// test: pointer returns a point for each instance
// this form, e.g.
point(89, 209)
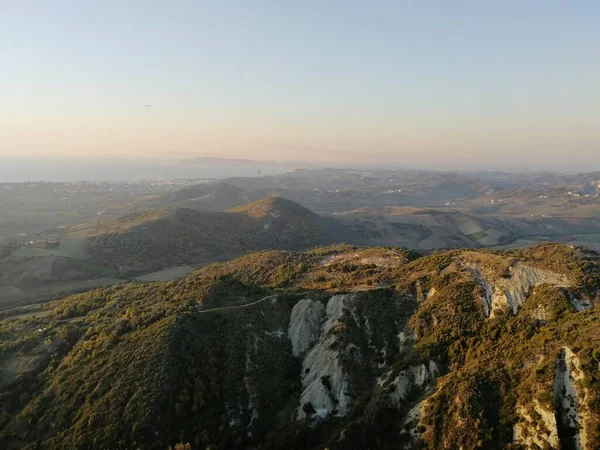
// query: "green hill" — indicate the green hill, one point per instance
point(147, 241)
point(337, 347)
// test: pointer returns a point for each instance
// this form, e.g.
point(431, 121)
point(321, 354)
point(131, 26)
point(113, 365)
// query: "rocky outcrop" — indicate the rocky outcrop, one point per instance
point(343, 356)
point(305, 325)
point(569, 399)
point(251, 391)
point(488, 290)
point(510, 292)
point(414, 382)
point(565, 425)
point(325, 386)
point(407, 380)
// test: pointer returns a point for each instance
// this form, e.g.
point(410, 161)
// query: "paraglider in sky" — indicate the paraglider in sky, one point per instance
point(147, 108)
point(110, 131)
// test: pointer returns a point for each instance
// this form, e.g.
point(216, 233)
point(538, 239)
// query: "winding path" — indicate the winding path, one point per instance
point(221, 308)
point(246, 305)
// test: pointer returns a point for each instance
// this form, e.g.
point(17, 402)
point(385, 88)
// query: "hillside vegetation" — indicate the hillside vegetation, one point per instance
point(337, 347)
point(152, 240)
point(161, 243)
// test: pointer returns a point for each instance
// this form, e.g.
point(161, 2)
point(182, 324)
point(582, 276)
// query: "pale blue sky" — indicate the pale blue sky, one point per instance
point(464, 81)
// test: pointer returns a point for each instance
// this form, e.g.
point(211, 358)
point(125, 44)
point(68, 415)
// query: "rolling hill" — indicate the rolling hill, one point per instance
point(336, 347)
point(152, 240)
point(166, 243)
point(426, 228)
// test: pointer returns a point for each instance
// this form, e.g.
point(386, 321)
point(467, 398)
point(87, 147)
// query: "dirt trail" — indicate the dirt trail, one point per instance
point(223, 308)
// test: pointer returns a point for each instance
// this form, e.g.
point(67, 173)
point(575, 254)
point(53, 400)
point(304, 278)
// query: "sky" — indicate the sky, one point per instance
point(495, 84)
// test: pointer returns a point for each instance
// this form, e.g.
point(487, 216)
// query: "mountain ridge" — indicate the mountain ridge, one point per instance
point(340, 347)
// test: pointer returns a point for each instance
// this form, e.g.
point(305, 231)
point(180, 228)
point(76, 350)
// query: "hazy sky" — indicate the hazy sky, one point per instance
point(474, 83)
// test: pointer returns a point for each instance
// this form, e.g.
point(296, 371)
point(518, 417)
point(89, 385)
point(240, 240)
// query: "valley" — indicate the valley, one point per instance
point(92, 234)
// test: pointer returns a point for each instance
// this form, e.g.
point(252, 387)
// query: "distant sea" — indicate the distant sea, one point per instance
point(17, 171)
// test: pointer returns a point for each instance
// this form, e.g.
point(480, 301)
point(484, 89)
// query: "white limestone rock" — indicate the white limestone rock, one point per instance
point(305, 325)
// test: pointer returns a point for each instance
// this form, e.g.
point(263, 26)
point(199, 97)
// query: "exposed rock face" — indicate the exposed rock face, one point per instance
point(488, 290)
point(419, 380)
point(305, 324)
point(571, 413)
point(325, 387)
point(510, 293)
point(564, 426)
point(414, 377)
